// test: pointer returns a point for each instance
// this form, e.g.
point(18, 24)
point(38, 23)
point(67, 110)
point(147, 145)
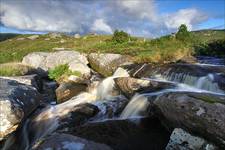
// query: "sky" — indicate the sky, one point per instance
point(148, 18)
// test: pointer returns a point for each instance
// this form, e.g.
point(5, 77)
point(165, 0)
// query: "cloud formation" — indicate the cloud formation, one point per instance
point(101, 26)
point(82, 16)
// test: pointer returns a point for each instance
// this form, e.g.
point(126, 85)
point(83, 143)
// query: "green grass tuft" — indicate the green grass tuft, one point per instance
point(62, 71)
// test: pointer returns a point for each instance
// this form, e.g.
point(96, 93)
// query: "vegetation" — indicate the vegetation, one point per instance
point(14, 69)
point(161, 50)
point(183, 34)
point(120, 37)
point(61, 71)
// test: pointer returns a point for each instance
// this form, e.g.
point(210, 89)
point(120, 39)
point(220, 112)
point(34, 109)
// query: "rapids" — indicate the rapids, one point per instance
point(48, 120)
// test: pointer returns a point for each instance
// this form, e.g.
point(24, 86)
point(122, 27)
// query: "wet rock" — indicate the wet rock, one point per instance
point(17, 101)
point(149, 70)
point(110, 108)
point(61, 117)
point(182, 140)
point(44, 61)
point(129, 86)
point(69, 142)
point(106, 64)
point(199, 113)
point(144, 134)
point(65, 91)
point(48, 92)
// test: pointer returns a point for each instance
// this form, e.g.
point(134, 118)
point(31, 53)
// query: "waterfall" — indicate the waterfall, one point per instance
point(204, 82)
point(105, 89)
point(207, 83)
point(137, 105)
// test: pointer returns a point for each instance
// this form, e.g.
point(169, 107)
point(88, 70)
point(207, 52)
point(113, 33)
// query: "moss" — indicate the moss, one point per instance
point(209, 99)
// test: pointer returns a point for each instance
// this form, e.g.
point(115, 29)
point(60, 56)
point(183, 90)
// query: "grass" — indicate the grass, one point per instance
point(62, 71)
point(14, 69)
point(161, 50)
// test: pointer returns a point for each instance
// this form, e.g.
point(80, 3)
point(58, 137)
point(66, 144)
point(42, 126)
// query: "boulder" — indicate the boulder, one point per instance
point(149, 70)
point(37, 60)
point(142, 133)
point(33, 37)
point(64, 57)
point(69, 142)
point(106, 64)
point(31, 80)
point(17, 101)
point(129, 86)
point(182, 140)
point(16, 69)
point(45, 61)
point(80, 67)
point(195, 112)
point(67, 90)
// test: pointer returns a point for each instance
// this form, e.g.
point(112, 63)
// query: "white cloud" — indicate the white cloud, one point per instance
point(143, 9)
point(190, 17)
point(138, 17)
point(101, 26)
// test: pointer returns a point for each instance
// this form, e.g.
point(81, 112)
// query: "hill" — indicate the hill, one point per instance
point(6, 36)
point(163, 49)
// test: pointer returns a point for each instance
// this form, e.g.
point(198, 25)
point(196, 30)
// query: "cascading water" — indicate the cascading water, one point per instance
point(204, 82)
point(105, 89)
point(137, 105)
point(48, 120)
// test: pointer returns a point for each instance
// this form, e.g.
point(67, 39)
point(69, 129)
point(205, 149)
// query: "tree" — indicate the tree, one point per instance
point(183, 34)
point(120, 36)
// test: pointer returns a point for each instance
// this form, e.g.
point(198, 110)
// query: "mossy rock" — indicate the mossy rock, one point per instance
point(15, 69)
point(107, 63)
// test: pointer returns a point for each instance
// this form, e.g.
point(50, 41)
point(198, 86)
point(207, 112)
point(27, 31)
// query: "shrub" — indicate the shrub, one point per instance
point(61, 70)
point(214, 48)
point(120, 36)
point(183, 34)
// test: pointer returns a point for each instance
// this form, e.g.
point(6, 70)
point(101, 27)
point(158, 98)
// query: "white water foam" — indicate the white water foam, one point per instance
point(137, 105)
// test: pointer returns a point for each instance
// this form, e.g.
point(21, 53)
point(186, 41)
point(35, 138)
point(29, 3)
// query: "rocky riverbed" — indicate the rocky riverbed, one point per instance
point(113, 104)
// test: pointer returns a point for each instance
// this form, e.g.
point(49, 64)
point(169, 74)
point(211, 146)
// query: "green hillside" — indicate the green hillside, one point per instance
point(163, 49)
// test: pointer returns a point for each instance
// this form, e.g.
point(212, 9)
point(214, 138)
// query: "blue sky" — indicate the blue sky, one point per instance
point(150, 18)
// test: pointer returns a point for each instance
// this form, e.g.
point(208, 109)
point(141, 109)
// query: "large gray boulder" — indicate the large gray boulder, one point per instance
point(107, 63)
point(69, 142)
point(45, 61)
point(182, 140)
point(129, 86)
point(199, 113)
point(17, 101)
